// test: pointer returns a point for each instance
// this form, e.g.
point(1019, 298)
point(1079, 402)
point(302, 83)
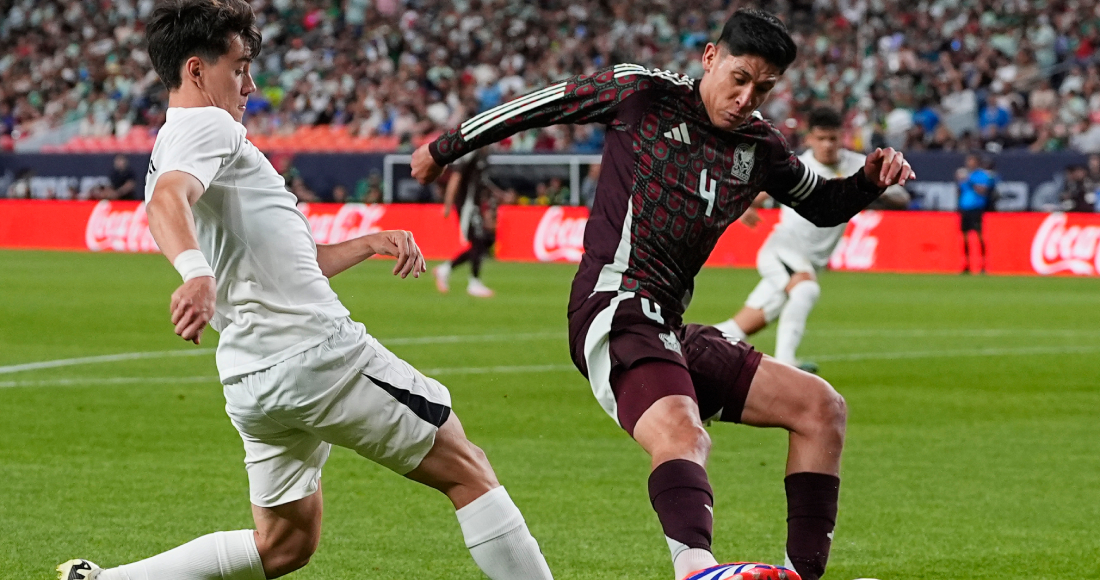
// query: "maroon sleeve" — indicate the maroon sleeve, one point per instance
point(591, 98)
point(825, 202)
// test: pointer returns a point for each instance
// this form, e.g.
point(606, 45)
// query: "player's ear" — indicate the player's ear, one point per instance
point(192, 69)
point(710, 54)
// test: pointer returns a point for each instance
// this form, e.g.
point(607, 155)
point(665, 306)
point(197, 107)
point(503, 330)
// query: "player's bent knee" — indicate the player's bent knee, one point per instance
point(826, 411)
point(686, 441)
point(479, 472)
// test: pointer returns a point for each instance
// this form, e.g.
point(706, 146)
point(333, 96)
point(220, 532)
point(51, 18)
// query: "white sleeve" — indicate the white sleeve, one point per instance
point(202, 143)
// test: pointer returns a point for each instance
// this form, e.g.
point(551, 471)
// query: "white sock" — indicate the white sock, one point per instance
point(499, 540)
point(792, 320)
point(731, 328)
point(691, 560)
point(217, 556)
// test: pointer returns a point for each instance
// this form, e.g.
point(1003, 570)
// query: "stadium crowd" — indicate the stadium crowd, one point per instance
point(932, 74)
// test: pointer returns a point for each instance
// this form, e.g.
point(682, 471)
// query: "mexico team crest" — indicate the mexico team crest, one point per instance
point(670, 341)
point(743, 159)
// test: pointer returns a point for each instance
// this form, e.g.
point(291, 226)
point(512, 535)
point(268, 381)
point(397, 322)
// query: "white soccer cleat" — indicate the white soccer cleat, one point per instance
point(442, 275)
point(477, 289)
point(78, 570)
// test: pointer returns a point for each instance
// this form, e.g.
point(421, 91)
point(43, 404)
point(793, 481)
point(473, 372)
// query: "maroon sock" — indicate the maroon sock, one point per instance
point(811, 516)
point(682, 498)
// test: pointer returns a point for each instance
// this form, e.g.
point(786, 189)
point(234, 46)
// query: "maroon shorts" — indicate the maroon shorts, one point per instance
point(613, 333)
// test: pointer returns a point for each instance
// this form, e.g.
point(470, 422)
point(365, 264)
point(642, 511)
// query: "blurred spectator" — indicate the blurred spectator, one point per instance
point(339, 194)
point(1076, 194)
point(369, 190)
point(298, 187)
point(122, 181)
point(21, 187)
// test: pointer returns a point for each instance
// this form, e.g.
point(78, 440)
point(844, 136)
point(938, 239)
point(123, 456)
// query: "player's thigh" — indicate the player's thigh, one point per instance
point(283, 462)
point(722, 370)
point(781, 395)
point(353, 392)
point(612, 337)
point(769, 263)
point(799, 277)
point(382, 408)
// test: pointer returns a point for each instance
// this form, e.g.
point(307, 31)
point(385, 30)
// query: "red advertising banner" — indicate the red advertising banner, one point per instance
point(880, 241)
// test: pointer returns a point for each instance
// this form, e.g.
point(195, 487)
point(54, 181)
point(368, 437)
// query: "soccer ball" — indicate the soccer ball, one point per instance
point(744, 571)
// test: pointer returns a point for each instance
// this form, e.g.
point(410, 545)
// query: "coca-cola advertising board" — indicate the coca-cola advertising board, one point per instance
point(878, 241)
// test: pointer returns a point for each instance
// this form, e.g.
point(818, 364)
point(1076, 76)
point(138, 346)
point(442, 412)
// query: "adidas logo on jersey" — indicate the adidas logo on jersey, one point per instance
point(679, 134)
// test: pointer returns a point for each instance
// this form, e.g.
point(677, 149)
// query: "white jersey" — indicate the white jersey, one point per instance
point(273, 302)
point(796, 232)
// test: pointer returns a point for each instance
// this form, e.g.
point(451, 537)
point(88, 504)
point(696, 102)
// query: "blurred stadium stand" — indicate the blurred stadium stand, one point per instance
point(382, 75)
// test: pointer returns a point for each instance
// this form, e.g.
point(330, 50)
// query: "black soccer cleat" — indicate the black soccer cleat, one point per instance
point(78, 570)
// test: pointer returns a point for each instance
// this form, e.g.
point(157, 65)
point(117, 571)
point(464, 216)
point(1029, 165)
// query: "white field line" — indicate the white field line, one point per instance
point(459, 338)
point(949, 333)
point(105, 381)
point(503, 369)
point(956, 353)
point(450, 339)
point(89, 360)
point(213, 379)
point(465, 339)
point(851, 357)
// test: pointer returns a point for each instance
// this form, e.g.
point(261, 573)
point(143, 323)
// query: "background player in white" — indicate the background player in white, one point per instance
point(797, 249)
point(298, 374)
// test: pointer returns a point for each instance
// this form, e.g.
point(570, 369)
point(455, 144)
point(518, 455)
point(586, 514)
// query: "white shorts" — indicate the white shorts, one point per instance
point(777, 261)
point(348, 391)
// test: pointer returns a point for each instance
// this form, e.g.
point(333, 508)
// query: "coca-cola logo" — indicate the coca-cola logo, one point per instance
point(351, 221)
point(1059, 247)
point(856, 249)
point(119, 229)
point(559, 237)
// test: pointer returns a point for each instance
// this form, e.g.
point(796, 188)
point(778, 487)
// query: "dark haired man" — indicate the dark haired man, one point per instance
point(797, 249)
point(299, 375)
point(682, 160)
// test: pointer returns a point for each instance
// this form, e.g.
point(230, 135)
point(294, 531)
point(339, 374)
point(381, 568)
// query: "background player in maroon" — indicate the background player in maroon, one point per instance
point(683, 159)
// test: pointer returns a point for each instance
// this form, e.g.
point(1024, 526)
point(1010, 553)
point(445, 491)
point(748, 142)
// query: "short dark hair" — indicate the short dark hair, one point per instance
point(759, 33)
point(825, 118)
point(180, 29)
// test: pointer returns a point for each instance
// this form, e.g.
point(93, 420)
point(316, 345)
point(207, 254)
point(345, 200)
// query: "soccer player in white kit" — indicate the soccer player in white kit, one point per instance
point(299, 375)
point(796, 250)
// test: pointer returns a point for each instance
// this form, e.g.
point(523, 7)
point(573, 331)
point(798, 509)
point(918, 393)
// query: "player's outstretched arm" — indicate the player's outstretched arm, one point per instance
point(591, 98)
point(173, 227)
point(830, 202)
point(335, 258)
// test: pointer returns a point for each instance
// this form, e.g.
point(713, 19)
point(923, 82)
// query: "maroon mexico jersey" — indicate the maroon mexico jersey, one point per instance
point(671, 182)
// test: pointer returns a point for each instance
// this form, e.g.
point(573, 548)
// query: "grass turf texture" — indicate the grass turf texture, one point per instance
point(972, 443)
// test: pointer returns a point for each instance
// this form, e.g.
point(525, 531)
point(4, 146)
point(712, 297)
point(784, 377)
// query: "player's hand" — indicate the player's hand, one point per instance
point(886, 167)
point(751, 218)
point(424, 168)
point(399, 244)
point(193, 306)
point(446, 209)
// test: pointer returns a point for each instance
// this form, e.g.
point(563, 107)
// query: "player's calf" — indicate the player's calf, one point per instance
point(671, 431)
point(492, 526)
point(287, 535)
point(816, 416)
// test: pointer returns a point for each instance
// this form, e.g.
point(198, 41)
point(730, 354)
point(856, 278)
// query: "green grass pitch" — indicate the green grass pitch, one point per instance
point(973, 444)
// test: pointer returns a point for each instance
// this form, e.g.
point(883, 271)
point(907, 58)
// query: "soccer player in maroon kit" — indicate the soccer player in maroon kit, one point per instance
point(682, 160)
